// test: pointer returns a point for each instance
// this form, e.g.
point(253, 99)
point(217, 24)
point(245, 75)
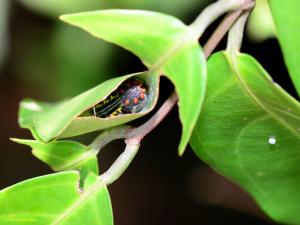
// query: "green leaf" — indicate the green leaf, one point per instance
point(260, 25)
point(164, 44)
point(287, 23)
point(249, 131)
point(136, 30)
point(61, 120)
point(27, 112)
point(64, 155)
point(56, 199)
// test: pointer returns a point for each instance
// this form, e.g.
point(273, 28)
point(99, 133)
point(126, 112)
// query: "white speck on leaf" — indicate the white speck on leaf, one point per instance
point(272, 140)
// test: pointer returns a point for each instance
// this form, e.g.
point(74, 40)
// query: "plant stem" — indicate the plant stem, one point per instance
point(121, 163)
point(109, 135)
point(235, 35)
point(209, 46)
point(196, 29)
point(220, 32)
point(224, 26)
point(135, 135)
point(212, 12)
point(144, 129)
point(95, 147)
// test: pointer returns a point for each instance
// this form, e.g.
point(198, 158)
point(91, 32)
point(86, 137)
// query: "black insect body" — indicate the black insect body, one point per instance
point(130, 97)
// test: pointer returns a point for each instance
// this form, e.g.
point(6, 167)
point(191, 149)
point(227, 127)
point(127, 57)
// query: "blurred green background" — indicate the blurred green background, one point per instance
point(43, 58)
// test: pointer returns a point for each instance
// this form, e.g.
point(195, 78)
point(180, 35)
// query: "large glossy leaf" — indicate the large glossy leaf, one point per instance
point(162, 44)
point(56, 199)
point(65, 155)
point(287, 23)
point(249, 130)
point(49, 121)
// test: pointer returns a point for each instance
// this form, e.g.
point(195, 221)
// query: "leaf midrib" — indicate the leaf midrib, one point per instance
point(254, 98)
point(81, 200)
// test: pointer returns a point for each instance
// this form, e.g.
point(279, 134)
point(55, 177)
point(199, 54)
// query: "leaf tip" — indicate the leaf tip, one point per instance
point(17, 140)
point(21, 141)
point(181, 150)
point(67, 18)
point(63, 17)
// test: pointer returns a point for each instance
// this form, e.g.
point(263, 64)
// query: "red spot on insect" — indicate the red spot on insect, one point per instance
point(135, 100)
point(126, 102)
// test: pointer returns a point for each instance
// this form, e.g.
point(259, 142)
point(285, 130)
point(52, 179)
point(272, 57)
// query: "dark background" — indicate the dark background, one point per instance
point(44, 60)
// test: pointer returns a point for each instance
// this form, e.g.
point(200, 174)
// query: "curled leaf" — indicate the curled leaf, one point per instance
point(164, 45)
point(66, 119)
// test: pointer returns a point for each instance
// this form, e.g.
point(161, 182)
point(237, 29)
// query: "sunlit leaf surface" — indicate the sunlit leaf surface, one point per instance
point(65, 155)
point(249, 130)
point(287, 23)
point(160, 41)
point(56, 199)
point(49, 121)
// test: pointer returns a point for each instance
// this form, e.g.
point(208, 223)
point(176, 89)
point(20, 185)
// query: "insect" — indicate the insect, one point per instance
point(130, 97)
